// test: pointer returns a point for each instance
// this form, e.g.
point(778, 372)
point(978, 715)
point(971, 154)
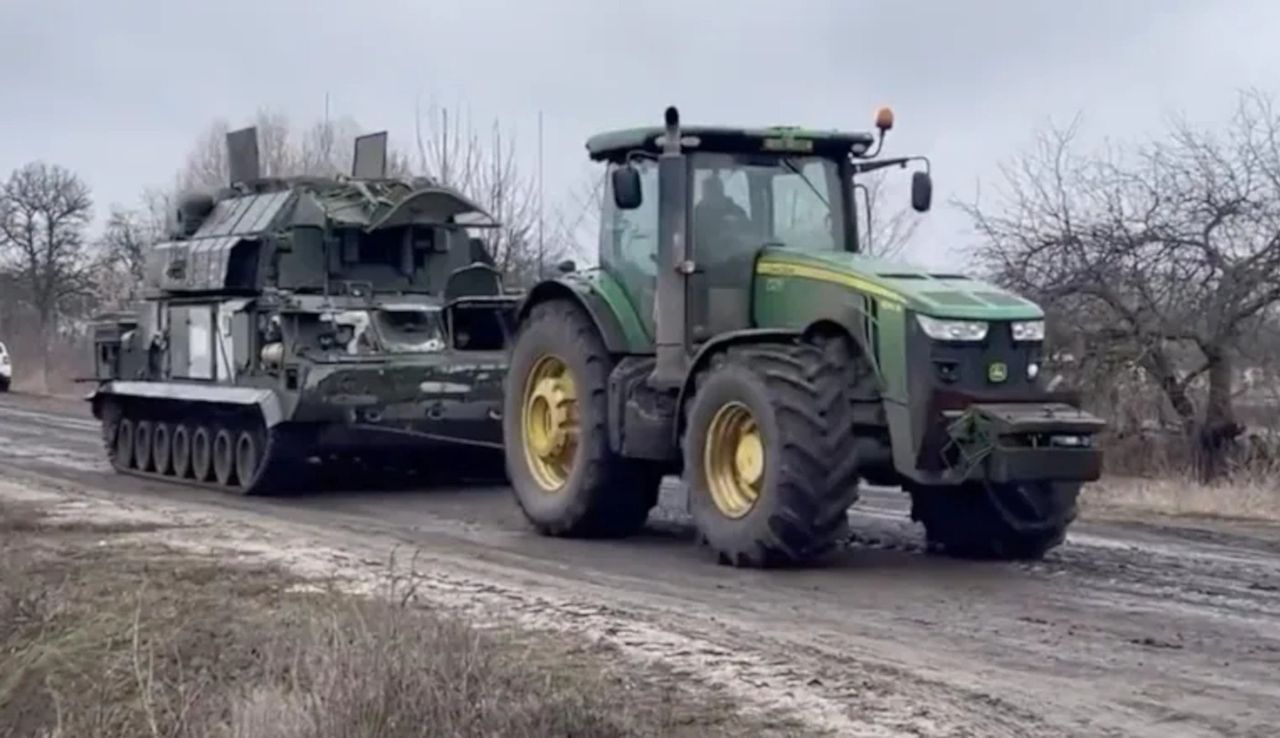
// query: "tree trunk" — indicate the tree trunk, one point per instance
point(1175, 390)
point(44, 340)
point(1217, 435)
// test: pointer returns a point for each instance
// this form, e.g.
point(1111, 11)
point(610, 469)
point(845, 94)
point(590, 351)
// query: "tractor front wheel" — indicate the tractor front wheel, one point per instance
point(566, 479)
point(769, 462)
point(980, 520)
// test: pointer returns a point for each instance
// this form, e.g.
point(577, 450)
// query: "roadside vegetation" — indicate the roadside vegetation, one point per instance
point(1158, 264)
point(103, 635)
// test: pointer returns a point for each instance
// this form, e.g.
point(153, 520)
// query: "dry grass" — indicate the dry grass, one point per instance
point(105, 641)
point(1245, 497)
point(1154, 473)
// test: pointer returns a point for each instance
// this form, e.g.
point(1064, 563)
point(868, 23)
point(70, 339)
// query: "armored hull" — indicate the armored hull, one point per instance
point(304, 325)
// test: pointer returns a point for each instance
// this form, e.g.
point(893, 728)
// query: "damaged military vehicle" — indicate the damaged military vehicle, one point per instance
point(290, 321)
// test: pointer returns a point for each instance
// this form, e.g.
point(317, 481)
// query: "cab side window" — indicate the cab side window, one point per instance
point(629, 241)
point(631, 236)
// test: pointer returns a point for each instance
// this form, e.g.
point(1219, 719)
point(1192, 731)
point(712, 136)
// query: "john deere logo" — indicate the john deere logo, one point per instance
point(998, 371)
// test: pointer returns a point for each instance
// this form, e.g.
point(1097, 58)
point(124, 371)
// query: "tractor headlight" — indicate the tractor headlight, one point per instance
point(1028, 330)
point(952, 330)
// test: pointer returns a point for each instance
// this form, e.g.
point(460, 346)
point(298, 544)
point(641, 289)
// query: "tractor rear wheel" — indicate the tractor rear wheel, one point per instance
point(996, 521)
point(566, 479)
point(769, 457)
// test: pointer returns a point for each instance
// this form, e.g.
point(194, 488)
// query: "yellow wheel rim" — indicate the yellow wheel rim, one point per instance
point(549, 420)
point(733, 460)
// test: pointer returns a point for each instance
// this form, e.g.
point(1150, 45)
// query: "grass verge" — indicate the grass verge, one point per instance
point(101, 635)
point(1244, 499)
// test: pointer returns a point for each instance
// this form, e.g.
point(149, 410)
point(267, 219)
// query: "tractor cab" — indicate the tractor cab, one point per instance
point(726, 196)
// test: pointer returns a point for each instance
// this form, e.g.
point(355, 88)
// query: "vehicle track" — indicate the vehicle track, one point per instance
point(1127, 630)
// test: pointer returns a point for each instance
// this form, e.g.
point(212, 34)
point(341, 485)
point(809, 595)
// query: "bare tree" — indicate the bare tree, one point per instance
point(324, 150)
point(485, 167)
point(44, 212)
point(449, 148)
point(1165, 255)
point(123, 251)
point(576, 225)
point(886, 230)
point(206, 166)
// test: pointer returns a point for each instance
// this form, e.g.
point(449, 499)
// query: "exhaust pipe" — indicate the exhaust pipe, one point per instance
point(669, 309)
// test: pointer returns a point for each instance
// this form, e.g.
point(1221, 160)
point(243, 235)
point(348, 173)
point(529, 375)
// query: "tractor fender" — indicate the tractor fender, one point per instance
point(713, 347)
point(750, 335)
point(602, 311)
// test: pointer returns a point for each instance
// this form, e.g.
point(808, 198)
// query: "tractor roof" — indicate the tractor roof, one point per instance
point(615, 145)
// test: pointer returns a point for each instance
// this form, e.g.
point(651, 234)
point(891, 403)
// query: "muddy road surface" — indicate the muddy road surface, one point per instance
point(1130, 629)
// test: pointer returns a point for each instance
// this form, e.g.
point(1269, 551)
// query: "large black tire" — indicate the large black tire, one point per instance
point(602, 494)
point(796, 395)
point(1003, 522)
point(4, 384)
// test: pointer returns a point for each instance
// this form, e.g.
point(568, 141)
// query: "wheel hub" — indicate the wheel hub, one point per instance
point(549, 416)
point(550, 423)
point(748, 458)
point(734, 460)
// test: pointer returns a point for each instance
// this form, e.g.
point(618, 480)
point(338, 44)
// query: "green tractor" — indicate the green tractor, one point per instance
point(734, 334)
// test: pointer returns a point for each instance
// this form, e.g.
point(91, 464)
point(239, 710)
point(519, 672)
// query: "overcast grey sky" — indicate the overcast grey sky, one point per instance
point(118, 90)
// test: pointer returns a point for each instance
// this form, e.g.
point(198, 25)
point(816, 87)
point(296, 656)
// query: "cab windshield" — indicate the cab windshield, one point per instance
point(750, 200)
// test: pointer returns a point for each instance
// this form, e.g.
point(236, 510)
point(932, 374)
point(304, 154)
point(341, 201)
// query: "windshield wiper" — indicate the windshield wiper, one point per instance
point(792, 166)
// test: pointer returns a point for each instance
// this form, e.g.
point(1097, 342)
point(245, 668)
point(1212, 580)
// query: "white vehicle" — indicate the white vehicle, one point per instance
point(6, 369)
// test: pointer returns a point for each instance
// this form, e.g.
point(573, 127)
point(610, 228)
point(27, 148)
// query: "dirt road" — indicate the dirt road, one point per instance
point(1128, 630)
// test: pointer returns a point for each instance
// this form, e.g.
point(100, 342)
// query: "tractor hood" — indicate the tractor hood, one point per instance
point(932, 292)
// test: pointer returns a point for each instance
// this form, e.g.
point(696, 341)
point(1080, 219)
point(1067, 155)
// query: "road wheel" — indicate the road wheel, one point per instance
point(565, 478)
point(201, 453)
point(224, 458)
point(122, 458)
point(162, 448)
point(181, 451)
point(142, 445)
point(248, 455)
point(767, 455)
point(996, 521)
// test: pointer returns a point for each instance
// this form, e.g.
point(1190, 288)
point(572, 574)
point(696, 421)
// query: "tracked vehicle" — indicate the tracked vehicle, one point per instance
point(735, 334)
point(293, 321)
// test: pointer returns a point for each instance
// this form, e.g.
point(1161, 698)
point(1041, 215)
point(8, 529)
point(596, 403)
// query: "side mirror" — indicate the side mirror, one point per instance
point(568, 266)
point(921, 191)
point(626, 188)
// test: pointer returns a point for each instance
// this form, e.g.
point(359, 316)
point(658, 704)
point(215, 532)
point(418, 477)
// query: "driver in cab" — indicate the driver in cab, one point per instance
point(715, 207)
point(720, 224)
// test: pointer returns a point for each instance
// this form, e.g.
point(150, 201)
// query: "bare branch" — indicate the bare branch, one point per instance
point(1161, 251)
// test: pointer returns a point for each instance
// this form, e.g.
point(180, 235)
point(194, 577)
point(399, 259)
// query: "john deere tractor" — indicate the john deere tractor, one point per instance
point(735, 334)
